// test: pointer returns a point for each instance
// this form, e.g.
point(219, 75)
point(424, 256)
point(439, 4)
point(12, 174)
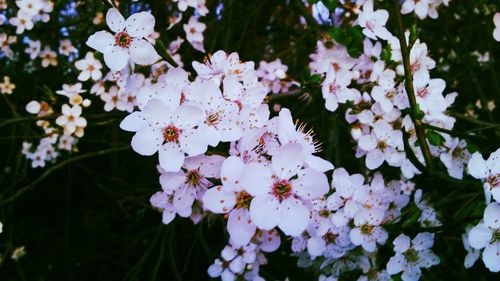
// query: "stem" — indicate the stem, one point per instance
point(410, 90)
point(60, 165)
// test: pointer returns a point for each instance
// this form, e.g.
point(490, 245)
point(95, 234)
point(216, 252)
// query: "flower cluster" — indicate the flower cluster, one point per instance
point(31, 12)
point(379, 113)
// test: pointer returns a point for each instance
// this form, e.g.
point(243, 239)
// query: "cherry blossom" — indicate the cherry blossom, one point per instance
point(128, 43)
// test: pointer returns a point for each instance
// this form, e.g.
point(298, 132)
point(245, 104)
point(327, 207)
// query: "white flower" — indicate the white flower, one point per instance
point(279, 199)
point(487, 235)
point(189, 185)
point(48, 56)
point(381, 144)
point(472, 254)
point(289, 133)
point(412, 255)
point(71, 120)
point(171, 130)
point(231, 198)
point(23, 21)
point(373, 22)
point(34, 48)
point(90, 68)
point(221, 123)
point(128, 42)
point(488, 171)
point(421, 7)
point(334, 88)
point(455, 157)
point(194, 33)
point(7, 87)
point(496, 32)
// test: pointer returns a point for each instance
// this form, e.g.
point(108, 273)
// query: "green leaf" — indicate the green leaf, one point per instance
point(472, 147)
point(163, 52)
point(434, 138)
point(413, 35)
point(417, 113)
point(330, 4)
point(315, 79)
point(337, 34)
point(386, 54)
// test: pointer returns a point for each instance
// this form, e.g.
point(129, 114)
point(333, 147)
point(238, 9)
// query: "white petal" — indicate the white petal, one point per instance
point(102, 41)
point(140, 24)
point(294, 217)
point(116, 58)
point(396, 264)
point(133, 122)
point(231, 171)
point(188, 116)
point(311, 184)
point(265, 211)
point(423, 241)
point(192, 142)
point(318, 163)
point(240, 227)
point(479, 236)
point(287, 161)
point(256, 179)
point(374, 159)
point(171, 157)
point(147, 141)
point(142, 52)
point(219, 200)
point(401, 243)
point(316, 246)
point(491, 257)
point(412, 273)
point(183, 200)
point(115, 20)
point(170, 181)
point(492, 216)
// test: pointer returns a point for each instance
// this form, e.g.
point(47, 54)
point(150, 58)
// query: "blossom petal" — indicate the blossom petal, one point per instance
point(265, 211)
point(133, 122)
point(287, 161)
point(294, 217)
point(479, 236)
point(101, 41)
point(171, 157)
point(115, 20)
point(219, 200)
point(311, 184)
point(116, 58)
point(147, 141)
point(140, 24)
point(240, 227)
point(142, 52)
point(256, 179)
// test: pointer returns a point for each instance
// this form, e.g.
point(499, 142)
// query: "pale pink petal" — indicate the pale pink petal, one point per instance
point(219, 200)
point(265, 211)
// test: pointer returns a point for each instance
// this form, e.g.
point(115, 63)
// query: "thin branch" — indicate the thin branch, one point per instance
point(60, 165)
point(410, 90)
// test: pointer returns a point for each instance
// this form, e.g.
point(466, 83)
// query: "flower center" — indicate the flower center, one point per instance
point(411, 255)
point(366, 229)
point(193, 177)
point(382, 145)
point(213, 119)
point(282, 189)
point(243, 200)
point(494, 181)
point(171, 133)
point(122, 39)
